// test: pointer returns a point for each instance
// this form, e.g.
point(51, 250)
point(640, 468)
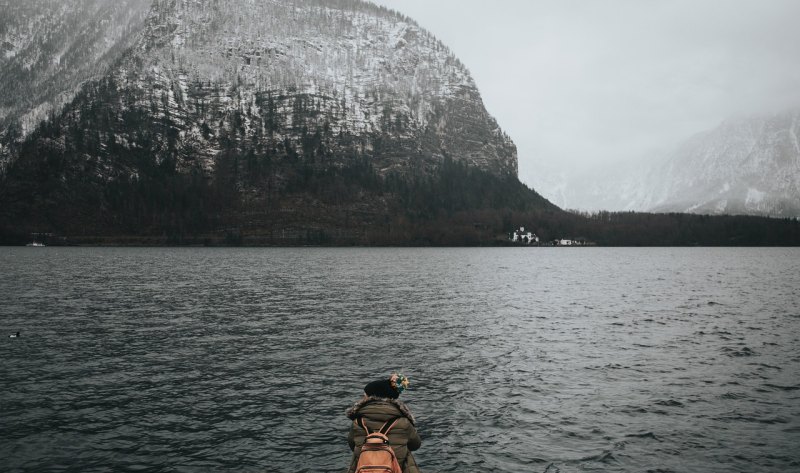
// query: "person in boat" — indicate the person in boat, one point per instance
point(379, 405)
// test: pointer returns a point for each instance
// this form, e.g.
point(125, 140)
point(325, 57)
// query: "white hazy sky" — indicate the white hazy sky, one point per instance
point(583, 82)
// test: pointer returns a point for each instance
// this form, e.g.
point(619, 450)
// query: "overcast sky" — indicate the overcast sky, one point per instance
point(582, 82)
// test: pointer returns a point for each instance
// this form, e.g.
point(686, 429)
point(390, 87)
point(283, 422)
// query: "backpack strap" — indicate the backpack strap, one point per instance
point(363, 425)
point(389, 424)
point(385, 428)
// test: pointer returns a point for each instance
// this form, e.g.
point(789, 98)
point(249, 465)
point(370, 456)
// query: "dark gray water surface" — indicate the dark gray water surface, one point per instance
point(521, 360)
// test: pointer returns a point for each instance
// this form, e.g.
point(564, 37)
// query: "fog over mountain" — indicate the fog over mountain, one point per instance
point(586, 85)
point(747, 165)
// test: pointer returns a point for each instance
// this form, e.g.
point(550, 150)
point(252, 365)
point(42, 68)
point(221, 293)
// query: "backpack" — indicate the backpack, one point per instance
point(377, 456)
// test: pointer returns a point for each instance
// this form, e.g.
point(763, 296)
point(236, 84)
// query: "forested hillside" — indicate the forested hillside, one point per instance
point(259, 117)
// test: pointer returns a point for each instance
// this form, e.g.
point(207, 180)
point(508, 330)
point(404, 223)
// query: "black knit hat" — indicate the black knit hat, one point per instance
point(381, 388)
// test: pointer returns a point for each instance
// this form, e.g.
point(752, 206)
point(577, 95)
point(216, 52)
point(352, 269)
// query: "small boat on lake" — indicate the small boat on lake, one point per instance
point(38, 239)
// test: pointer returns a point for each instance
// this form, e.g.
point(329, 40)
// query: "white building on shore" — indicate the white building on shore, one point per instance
point(521, 236)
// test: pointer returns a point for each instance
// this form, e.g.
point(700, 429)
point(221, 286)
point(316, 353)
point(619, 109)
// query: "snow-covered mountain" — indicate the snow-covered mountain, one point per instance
point(353, 76)
point(746, 165)
point(246, 104)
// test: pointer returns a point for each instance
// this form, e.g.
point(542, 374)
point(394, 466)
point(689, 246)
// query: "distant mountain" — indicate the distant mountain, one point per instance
point(746, 166)
point(227, 113)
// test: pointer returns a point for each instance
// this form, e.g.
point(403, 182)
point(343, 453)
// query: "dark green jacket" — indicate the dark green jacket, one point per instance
point(403, 437)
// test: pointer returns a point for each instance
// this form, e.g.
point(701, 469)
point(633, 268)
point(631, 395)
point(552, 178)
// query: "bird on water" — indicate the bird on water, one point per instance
point(14, 335)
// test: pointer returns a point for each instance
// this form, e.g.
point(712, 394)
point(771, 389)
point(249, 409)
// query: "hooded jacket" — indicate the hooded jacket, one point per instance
point(403, 437)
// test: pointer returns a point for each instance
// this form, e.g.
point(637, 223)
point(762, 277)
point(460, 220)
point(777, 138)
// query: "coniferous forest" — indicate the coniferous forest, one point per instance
point(342, 205)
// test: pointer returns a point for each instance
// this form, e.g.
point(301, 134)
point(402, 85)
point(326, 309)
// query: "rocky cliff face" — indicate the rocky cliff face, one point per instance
point(312, 78)
point(365, 79)
point(747, 166)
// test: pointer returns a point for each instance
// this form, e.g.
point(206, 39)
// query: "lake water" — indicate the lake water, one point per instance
point(521, 359)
